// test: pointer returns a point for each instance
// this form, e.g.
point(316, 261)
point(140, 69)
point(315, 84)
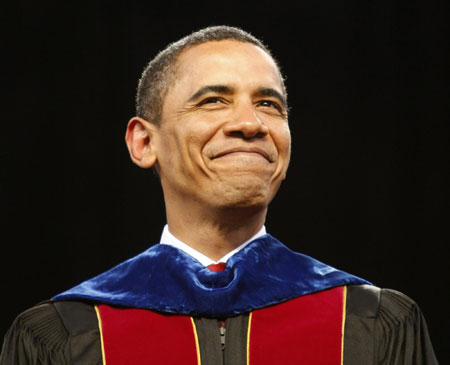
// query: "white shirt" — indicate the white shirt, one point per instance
point(168, 238)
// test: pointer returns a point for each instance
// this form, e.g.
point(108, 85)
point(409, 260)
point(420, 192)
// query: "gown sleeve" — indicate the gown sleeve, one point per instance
point(384, 326)
point(54, 333)
point(37, 336)
point(401, 331)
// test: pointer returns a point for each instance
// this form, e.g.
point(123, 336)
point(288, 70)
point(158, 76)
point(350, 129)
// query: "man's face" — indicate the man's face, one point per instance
point(224, 139)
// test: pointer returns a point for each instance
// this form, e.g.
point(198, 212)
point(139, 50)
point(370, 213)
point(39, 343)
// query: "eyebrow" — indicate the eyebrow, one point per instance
point(224, 89)
point(221, 89)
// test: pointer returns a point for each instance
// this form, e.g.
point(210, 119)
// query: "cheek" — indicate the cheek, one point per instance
point(205, 133)
point(282, 139)
point(170, 150)
point(188, 148)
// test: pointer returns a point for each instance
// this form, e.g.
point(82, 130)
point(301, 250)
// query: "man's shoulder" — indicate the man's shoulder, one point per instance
point(384, 326)
point(371, 302)
point(64, 317)
point(55, 330)
point(41, 323)
point(77, 316)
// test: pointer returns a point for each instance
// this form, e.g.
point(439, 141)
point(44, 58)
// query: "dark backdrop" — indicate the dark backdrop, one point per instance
point(367, 189)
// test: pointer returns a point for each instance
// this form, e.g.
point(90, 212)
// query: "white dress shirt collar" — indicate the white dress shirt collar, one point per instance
point(168, 238)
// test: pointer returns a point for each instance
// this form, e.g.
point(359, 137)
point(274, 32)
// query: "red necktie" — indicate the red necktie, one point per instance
point(217, 267)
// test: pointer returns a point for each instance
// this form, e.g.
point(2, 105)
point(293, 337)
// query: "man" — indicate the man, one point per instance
point(212, 120)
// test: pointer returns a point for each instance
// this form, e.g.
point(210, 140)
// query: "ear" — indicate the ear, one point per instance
point(140, 138)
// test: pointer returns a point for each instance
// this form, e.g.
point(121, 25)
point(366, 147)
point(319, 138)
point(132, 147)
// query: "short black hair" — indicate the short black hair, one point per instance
point(159, 74)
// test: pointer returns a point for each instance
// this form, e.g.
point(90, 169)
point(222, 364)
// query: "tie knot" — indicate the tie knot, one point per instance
point(217, 267)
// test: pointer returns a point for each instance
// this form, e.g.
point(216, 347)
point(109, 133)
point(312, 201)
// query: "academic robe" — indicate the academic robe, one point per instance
point(380, 326)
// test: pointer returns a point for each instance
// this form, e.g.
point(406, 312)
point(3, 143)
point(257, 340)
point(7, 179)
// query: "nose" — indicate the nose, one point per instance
point(246, 124)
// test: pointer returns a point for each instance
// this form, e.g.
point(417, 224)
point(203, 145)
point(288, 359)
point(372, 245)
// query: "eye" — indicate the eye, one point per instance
point(210, 100)
point(270, 104)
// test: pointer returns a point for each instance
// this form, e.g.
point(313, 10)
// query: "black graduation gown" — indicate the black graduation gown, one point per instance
point(382, 327)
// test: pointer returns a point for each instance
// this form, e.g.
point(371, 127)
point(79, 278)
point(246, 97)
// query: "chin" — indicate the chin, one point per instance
point(243, 195)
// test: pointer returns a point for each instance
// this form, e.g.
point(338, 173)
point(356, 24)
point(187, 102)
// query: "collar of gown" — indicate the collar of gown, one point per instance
point(168, 238)
point(166, 279)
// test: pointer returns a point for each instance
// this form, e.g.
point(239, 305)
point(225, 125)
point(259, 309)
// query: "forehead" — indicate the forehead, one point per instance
point(227, 62)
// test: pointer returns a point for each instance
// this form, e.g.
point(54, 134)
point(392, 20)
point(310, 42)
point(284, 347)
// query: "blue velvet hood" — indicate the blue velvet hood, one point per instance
point(166, 279)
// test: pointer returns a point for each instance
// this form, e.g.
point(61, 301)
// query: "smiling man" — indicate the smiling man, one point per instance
point(222, 146)
point(212, 120)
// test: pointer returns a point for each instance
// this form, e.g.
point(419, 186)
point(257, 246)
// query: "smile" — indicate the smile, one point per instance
point(244, 151)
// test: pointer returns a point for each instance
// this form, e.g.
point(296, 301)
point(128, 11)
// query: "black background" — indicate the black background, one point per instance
point(367, 188)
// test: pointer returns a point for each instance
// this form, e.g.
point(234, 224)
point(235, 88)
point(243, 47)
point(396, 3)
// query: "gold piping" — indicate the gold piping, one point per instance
point(197, 347)
point(344, 310)
point(101, 334)
point(248, 337)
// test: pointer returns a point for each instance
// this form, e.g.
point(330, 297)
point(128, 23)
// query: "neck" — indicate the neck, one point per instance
point(215, 233)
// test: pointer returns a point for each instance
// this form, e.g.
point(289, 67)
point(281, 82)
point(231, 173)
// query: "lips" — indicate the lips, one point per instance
point(252, 149)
